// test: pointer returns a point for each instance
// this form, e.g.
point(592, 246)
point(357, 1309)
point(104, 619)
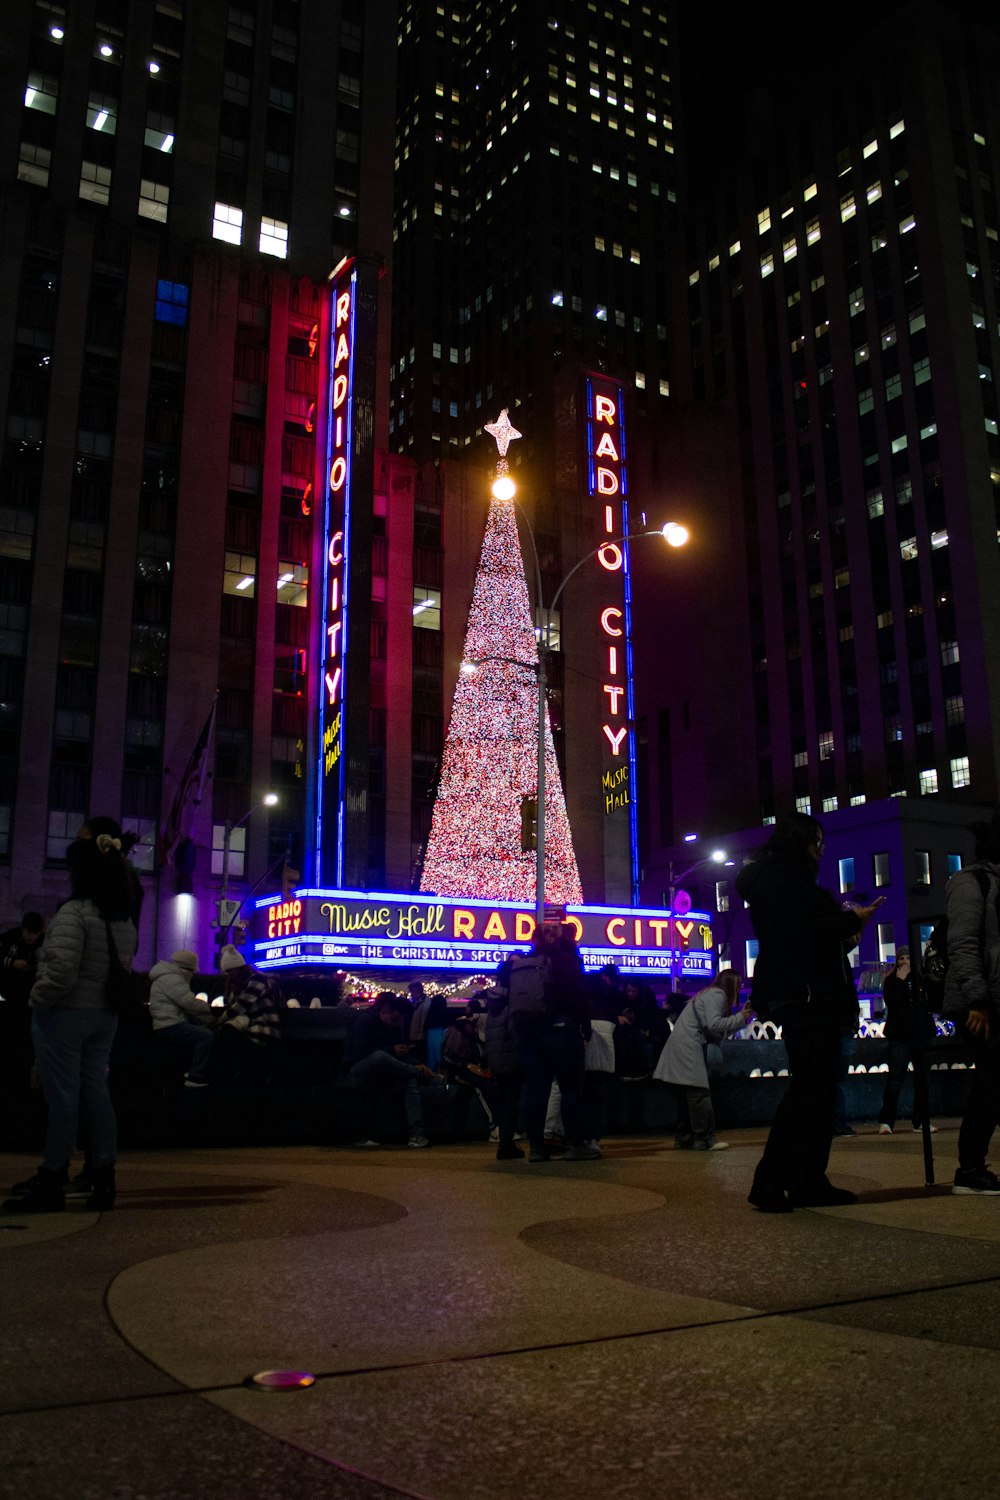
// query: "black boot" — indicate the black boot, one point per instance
point(47, 1196)
point(102, 1198)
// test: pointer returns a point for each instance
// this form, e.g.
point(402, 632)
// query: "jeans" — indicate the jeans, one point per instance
point(199, 1038)
point(798, 1146)
point(381, 1068)
point(982, 1112)
point(551, 1050)
point(72, 1048)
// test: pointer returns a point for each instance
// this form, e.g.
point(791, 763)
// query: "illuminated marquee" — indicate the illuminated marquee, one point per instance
point(336, 562)
point(608, 488)
point(338, 928)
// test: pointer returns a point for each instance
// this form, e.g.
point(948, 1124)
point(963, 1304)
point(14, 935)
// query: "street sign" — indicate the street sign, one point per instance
point(228, 911)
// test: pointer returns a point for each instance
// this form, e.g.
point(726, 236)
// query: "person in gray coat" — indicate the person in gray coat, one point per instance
point(504, 1062)
point(972, 1001)
point(179, 1016)
point(73, 1024)
point(706, 1018)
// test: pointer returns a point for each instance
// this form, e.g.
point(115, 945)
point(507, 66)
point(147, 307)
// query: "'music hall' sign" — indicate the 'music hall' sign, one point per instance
point(341, 929)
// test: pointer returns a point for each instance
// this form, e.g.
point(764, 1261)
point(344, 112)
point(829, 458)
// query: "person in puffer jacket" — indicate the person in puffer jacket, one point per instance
point(73, 1022)
point(179, 1017)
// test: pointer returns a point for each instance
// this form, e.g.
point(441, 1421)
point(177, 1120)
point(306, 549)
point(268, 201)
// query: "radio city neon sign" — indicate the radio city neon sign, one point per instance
point(338, 490)
point(606, 441)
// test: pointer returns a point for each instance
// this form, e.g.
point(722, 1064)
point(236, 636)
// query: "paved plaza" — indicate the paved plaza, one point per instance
point(483, 1330)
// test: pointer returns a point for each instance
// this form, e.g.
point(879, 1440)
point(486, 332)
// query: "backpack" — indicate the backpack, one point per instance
point(527, 983)
point(934, 969)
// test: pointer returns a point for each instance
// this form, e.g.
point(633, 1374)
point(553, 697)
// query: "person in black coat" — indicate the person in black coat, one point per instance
point(802, 980)
point(908, 1028)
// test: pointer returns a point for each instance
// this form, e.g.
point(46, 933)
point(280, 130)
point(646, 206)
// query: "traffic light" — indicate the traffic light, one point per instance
point(529, 824)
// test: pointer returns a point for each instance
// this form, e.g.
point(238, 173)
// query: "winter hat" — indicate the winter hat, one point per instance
point(231, 958)
point(185, 959)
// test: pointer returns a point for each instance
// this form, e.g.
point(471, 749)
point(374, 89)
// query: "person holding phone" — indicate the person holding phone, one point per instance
point(802, 980)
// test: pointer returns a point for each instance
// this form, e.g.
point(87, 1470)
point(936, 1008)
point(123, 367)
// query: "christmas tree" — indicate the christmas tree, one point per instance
point(490, 765)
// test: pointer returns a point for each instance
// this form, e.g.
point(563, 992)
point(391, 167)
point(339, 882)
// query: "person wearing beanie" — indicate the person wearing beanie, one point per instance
point(251, 1018)
point(179, 1018)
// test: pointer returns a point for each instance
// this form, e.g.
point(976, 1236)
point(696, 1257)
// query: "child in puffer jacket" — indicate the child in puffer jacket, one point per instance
point(179, 1016)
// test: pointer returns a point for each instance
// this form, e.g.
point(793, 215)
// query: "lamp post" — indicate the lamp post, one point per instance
point(228, 909)
point(717, 857)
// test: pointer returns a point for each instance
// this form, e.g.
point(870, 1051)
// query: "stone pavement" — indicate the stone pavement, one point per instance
point(499, 1331)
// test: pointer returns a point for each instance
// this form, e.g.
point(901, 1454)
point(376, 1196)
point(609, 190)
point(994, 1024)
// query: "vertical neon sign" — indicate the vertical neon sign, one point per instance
point(608, 488)
point(330, 801)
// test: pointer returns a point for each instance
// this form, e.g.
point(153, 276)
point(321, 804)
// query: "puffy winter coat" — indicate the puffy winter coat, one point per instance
point(171, 1000)
point(74, 963)
point(502, 1056)
point(973, 975)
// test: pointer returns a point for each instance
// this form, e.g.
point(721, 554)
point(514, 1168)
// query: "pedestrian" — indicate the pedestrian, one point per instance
point(907, 1029)
point(802, 981)
point(380, 1061)
point(179, 1017)
point(707, 1017)
point(972, 1001)
point(551, 1022)
point(73, 1023)
point(251, 1018)
point(504, 1062)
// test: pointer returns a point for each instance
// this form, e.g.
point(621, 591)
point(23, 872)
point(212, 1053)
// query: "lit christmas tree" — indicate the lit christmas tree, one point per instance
point(490, 764)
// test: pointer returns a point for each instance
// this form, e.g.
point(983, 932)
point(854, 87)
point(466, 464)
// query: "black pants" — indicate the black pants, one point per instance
point(900, 1054)
point(508, 1086)
point(798, 1147)
point(982, 1112)
point(551, 1049)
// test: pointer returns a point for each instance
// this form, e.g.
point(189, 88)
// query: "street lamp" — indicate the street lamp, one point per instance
point(717, 857)
point(229, 909)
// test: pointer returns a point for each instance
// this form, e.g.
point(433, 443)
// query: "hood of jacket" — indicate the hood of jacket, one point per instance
point(158, 971)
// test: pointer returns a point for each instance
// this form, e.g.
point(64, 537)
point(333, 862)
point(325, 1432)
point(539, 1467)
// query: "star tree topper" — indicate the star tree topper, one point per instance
point(503, 431)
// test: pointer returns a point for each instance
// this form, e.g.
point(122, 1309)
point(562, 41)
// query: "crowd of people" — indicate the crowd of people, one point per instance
point(538, 1047)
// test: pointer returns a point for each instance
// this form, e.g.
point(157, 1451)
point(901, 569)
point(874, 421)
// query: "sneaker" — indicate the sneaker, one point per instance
point(418, 1142)
point(367, 1143)
point(711, 1145)
point(510, 1153)
point(538, 1153)
point(81, 1186)
point(885, 1130)
point(582, 1153)
point(194, 1083)
point(46, 1197)
point(847, 1131)
point(981, 1181)
point(495, 1135)
point(919, 1129)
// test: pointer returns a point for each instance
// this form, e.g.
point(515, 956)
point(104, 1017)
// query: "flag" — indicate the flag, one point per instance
point(190, 789)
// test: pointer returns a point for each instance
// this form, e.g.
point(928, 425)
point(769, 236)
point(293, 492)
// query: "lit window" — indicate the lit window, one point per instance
point(734, 248)
point(826, 745)
point(767, 265)
point(101, 114)
point(870, 149)
point(664, 387)
point(959, 766)
point(954, 863)
point(846, 869)
point(722, 895)
point(601, 313)
point(896, 129)
point(293, 584)
point(905, 225)
point(273, 237)
point(949, 653)
point(938, 539)
point(928, 781)
point(640, 381)
point(240, 575)
point(830, 804)
point(809, 192)
point(803, 805)
point(426, 609)
point(880, 869)
point(954, 709)
point(848, 208)
point(557, 299)
point(153, 200)
point(227, 223)
point(923, 862)
point(159, 139)
point(95, 182)
point(908, 548)
point(858, 800)
point(789, 249)
point(812, 231)
point(763, 221)
point(886, 943)
point(42, 93)
point(171, 302)
point(876, 504)
point(236, 861)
